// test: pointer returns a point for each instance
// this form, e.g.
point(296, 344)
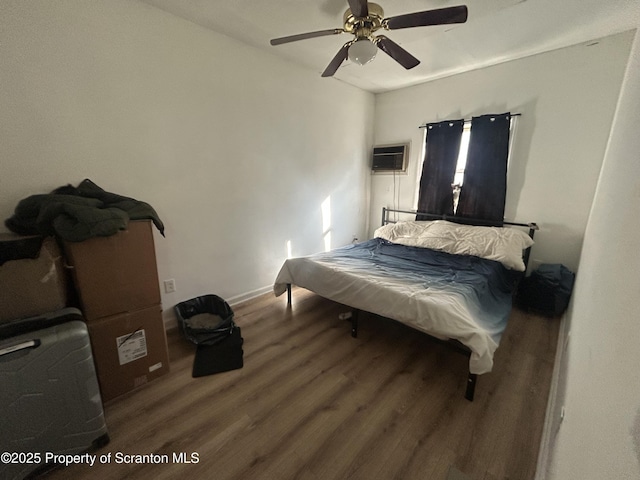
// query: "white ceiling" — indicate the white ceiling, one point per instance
point(496, 31)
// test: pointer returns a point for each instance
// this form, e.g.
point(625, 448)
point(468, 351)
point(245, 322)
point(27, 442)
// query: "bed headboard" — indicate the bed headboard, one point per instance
point(467, 221)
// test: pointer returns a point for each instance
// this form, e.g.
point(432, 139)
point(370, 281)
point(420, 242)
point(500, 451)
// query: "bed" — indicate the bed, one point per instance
point(451, 281)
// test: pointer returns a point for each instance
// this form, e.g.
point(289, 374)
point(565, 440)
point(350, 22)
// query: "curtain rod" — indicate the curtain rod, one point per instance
point(465, 120)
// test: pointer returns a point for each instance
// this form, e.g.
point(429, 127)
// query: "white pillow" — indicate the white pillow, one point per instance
point(494, 243)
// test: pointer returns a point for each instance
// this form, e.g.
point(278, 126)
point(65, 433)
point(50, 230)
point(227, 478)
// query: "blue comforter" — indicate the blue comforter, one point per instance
point(486, 284)
point(466, 298)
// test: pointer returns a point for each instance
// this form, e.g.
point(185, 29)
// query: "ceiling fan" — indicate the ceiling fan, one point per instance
point(363, 19)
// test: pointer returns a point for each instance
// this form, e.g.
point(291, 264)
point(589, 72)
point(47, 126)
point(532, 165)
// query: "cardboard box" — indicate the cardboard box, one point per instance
point(129, 349)
point(31, 286)
point(115, 274)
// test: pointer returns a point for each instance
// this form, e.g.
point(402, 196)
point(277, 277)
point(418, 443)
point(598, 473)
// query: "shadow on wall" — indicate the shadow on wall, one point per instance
point(558, 398)
point(635, 434)
point(520, 148)
point(556, 243)
point(322, 224)
point(522, 134)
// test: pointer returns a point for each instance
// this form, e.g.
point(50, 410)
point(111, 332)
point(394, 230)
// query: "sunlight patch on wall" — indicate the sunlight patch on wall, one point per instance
point(326, 223)
point(327, 241)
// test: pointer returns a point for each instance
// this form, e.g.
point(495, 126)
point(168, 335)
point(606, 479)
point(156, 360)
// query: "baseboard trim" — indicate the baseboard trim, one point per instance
point(243, 297)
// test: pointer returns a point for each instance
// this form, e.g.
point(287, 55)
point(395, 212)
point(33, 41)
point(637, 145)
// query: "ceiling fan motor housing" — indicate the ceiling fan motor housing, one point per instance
point(363, 27)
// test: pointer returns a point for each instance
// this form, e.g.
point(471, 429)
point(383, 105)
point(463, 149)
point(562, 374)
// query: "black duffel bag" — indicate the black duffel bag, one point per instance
point(205, 320)
point(547, 290)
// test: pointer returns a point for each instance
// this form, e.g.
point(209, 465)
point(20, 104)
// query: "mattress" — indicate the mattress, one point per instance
point(460, 297)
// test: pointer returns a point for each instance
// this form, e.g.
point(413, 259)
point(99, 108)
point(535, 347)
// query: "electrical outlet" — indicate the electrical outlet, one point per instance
point(169, 286)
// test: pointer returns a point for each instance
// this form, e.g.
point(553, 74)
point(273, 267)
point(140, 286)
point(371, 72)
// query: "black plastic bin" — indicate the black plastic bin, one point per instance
point(205, 320)
point(208, 322)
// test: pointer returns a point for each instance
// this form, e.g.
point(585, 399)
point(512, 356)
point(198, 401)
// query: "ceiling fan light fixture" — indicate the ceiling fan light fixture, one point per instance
point(362, 51)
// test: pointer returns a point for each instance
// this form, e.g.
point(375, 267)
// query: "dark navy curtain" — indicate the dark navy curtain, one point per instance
point(484, 187)
point(439, 168)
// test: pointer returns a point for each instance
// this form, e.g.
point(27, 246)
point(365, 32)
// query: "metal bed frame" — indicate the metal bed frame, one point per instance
point(456, 345)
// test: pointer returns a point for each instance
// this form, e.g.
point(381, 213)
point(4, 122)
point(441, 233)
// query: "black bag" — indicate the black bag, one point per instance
point(205, 320)
point(208, 322)
point(547, 290)
point(221, 357)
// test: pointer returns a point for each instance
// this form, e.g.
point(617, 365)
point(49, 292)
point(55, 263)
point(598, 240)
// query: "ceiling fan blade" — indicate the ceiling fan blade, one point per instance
point(396, 52)
point(359, 8)
point(304, 36)
point(439, 16)
point(340, 57)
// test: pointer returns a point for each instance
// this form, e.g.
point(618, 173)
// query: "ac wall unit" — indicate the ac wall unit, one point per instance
point(390, 158)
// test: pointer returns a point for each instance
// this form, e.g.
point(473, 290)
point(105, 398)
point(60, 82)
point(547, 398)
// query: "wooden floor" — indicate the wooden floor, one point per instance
point(311, 402)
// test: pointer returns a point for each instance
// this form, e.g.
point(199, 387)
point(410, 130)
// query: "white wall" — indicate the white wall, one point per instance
point(600, 435)
point(567, 99)
point(236, 149)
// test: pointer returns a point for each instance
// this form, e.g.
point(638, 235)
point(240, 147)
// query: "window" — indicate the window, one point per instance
point(458, 178)
point(461, 164)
